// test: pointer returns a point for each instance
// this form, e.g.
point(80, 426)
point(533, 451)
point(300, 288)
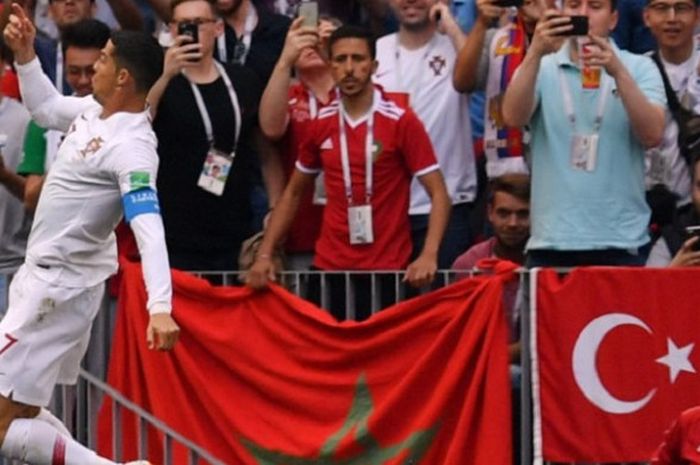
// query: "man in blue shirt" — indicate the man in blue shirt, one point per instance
point(588, 205)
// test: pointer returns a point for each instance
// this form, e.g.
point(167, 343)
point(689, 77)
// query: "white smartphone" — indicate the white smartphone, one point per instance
point(309, 11)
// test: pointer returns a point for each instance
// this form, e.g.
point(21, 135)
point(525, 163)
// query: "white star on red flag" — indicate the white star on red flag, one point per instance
point(677, 359)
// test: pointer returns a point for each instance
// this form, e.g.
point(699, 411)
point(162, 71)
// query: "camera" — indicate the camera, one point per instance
point(580, 26)
point(693, 231)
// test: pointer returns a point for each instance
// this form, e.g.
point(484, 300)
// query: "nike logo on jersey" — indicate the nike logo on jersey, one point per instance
point(327, 144)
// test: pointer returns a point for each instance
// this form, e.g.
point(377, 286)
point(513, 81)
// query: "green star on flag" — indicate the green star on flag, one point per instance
point(372, 454)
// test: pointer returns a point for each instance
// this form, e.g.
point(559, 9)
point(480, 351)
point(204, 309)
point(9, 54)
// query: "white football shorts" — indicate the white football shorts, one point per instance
point(44, 336)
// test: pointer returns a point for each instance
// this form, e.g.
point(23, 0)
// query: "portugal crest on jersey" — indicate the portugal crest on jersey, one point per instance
point(92, 146)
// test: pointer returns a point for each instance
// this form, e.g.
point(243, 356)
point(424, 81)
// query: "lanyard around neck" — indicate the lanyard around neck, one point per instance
point(59, 67)
point(208, 128)
point(345, 155)
point(413, 85)
point(569, 103)
point(251, 21)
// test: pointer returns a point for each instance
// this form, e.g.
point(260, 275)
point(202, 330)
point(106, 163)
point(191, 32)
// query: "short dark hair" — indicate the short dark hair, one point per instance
point(349, 31)
point(86, 33)
point(175, 3)
point(517, 185)
point(141, 55)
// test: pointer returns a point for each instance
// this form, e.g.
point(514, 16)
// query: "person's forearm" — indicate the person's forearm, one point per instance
point(466, 67)
point(519, 99)
point(32, 190)
point(273, 113)
point(280, 221)
point(456, 35)
point(437, 221)
point(150, 238)
point(13, 182)
point(127, 14)
point(156, 93)
point(646, 118)
point(272, 170)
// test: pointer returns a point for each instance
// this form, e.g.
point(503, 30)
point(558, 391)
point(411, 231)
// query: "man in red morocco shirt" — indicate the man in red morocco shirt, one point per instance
point(368, 148)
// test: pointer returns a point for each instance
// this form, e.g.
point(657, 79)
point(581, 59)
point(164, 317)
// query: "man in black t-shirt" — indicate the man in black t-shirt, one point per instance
point(205, 115)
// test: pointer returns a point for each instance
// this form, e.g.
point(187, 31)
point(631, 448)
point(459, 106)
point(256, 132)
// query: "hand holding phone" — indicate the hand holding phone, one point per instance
point(189, 28)
point(693, 231)
point(309, 11)
point(579, 26)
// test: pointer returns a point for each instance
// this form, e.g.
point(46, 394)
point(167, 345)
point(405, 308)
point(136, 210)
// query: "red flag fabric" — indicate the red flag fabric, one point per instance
point(615, 361)
point(266, 378)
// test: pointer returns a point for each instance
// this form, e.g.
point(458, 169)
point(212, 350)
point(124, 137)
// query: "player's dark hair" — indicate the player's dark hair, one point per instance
point(141, 55)
point(87, 33)
point(349, 31)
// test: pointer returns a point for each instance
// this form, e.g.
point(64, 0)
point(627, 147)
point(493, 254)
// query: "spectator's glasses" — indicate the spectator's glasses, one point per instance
point(678, 8)
point(199, 22)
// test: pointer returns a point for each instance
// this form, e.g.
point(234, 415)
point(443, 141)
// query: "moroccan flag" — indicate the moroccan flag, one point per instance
point(266, 378)
point(615, 361)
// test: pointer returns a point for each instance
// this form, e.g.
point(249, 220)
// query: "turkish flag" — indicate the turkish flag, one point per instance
point(614, 361)
point(268, 378)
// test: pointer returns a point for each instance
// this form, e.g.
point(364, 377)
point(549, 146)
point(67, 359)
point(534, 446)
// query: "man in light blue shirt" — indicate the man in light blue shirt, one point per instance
point(588, 205)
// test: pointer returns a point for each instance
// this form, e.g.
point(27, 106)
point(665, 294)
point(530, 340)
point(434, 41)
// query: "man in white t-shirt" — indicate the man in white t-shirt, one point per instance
point(418, 61)
point(105, 167)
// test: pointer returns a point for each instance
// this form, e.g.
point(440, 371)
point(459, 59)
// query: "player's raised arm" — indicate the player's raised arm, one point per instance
point(48, 107)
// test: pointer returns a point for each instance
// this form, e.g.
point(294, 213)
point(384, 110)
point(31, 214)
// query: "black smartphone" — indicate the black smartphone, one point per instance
point(580, 26)
point(507, 3)
point(188, 28)
point(693, 231)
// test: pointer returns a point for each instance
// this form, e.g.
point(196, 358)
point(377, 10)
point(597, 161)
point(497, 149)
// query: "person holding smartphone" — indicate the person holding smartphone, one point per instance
point(488, 62)
point(679, 244)
point(592, 109)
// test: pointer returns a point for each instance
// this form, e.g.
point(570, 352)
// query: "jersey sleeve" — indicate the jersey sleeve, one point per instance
point(34, 156)
point(415, 145)
point(47, 106)
point(309, 156)
point(136, 169)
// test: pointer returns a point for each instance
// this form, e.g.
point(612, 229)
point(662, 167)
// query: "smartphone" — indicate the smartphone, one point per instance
point(309, 11)
point(188, 28)
point(508, 3)
point(580, 26)
point(693, 231)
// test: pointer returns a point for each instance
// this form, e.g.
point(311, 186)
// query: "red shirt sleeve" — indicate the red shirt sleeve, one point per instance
point(415, 145)
point(308, 159)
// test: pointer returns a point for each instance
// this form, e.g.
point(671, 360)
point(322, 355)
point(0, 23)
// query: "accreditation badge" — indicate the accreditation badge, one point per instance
point(215, 171)
point(360, 224)
point(584, 152)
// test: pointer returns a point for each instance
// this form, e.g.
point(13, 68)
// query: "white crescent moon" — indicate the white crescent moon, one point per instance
point(584, 363)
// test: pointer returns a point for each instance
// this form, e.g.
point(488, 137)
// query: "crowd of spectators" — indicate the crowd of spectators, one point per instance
point(505, 95)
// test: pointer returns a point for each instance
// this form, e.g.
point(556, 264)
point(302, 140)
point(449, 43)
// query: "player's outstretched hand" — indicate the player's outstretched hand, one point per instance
point(162, 332)
point(19, 35)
